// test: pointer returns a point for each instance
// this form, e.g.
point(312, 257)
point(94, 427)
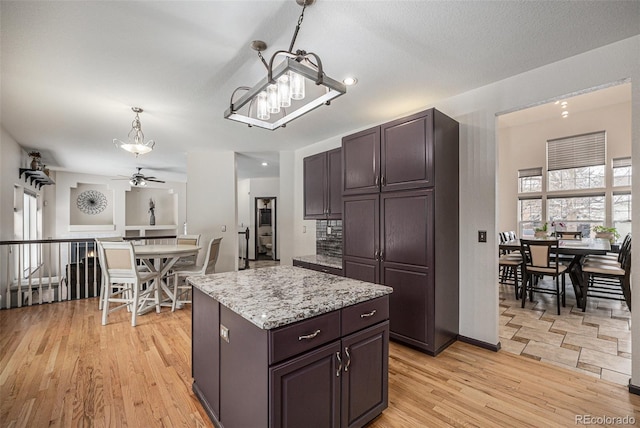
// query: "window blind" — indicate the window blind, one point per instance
point(530, 172)
point(576, 152)
point(621, 162)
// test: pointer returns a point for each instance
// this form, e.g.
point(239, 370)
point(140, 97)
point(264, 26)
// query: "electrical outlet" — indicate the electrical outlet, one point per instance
point(304, 229)
point(224, 228)
point(482, 236)
point(224, 333)
point(328, 230)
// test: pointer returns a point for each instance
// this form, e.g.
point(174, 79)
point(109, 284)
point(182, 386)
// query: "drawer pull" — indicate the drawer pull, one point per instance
point(309, 336)
point(370, 314)
point(339, 364)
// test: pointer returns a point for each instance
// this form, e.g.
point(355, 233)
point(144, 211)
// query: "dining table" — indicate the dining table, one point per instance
point(160, 258)
point(577, 249)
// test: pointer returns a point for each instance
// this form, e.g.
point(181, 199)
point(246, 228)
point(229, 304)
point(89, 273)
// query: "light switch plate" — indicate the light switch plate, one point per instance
point(482, 236)
point(224, 228)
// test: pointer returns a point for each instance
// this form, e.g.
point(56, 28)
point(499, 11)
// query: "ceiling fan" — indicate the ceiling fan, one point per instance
point(139, 179)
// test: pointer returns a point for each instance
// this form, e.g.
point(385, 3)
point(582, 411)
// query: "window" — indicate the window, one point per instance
point(621, 172)
point(622, 213)
point(31, 220)
point(590, 208)
point(530, 180)
point(576, 188)
point(576, 162)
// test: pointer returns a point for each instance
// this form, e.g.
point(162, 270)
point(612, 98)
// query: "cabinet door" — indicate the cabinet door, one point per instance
point(334, 183)
point(305, 392)
point(205, 350)
point(361, 162)
point(406, 227)
point(407, 153)
point(407, 242)
point(411, 305)
point(360, 237)
point(315, 185)
point(365, 375)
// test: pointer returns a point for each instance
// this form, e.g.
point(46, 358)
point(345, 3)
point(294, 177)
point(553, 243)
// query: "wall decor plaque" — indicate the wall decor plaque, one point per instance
point(91, 202)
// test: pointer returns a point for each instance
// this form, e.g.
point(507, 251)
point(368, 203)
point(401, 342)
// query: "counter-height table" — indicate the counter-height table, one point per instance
point(289, 347)
point(160, 259)
point(578, 248)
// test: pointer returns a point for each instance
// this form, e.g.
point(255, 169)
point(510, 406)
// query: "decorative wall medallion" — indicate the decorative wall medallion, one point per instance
point(91, 202)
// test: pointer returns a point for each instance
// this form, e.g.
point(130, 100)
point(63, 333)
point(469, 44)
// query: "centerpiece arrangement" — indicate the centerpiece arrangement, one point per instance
point(609, 233)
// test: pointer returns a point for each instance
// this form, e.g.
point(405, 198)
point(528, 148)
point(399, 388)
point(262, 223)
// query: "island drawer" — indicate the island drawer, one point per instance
point(302, 336)
point(325, 269)
point(361, 315)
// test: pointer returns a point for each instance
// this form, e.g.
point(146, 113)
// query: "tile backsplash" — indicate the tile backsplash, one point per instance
point(329, 244)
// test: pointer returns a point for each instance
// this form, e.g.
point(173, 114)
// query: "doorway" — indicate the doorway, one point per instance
point(534, 190)
point(265, 242)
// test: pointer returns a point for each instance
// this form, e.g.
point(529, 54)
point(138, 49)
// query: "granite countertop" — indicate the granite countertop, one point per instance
point(328, 261)
point(281, 295)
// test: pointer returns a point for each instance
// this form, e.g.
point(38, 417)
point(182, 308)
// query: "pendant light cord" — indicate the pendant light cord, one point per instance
point(295, 32)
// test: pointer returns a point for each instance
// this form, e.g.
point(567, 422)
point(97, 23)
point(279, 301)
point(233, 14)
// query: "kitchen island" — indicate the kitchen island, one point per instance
point(289, 347)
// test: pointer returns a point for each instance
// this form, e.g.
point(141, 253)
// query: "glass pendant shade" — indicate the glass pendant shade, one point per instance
point(262, 111)
point(273, 102)
point(135, 142)
point(297, 86)
point(284, 94)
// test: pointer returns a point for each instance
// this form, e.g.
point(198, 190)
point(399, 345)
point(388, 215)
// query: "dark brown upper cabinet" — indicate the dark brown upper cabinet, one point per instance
point(395, 156)
point(323, 186)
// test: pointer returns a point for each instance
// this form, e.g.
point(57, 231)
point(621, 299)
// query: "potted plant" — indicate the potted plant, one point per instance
point(610, 233)
point(542, 231)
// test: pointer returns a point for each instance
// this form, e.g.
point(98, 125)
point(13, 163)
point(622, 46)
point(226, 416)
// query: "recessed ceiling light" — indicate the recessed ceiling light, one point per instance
point(564, 104)
point(557, 102)
point(350, 81)
point(565, 113)
point(264, 164)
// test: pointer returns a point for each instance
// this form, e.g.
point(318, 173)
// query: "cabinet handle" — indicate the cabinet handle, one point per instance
point(309, 336)
point(346, 351)
point(383, 181)
point(339, 364)
point(381, 256)
point(377, 182)
point(370, 314)
point(376, 256)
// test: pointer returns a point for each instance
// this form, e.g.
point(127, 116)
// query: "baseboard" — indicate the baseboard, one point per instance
point(480, 343)
point(634, 389)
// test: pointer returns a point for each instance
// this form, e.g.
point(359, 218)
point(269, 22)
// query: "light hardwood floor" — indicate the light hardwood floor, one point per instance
point(60, 367)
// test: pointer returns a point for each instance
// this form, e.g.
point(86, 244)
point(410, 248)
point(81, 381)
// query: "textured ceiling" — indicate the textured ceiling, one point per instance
point(71, 71)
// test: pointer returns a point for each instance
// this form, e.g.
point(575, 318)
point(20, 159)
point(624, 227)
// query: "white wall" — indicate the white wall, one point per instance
point(286, 210)
point(171, 196)
point(212, 205)
point(244, 203)
point(524, 146)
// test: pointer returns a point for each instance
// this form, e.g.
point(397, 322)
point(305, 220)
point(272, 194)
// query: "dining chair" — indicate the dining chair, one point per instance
point(124, 281)
point(509, 265)
point(181, 288)
point(187, 260)
point(609, 279)
point(540, 259)
point(100, 252)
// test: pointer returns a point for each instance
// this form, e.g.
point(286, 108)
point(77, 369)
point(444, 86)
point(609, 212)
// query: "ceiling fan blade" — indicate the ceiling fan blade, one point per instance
point(156, 181)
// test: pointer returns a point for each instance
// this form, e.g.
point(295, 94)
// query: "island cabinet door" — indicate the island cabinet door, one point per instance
point(365, 375)
point(305, 391)
point(205, 350)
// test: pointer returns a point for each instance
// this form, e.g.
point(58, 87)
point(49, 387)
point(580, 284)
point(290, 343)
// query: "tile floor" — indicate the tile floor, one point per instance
point(596, 342)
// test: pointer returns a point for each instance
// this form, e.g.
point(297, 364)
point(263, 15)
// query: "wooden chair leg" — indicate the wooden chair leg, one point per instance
point(558, 293)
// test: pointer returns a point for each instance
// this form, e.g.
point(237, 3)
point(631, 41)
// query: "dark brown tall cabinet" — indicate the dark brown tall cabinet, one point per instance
point(400, 222)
